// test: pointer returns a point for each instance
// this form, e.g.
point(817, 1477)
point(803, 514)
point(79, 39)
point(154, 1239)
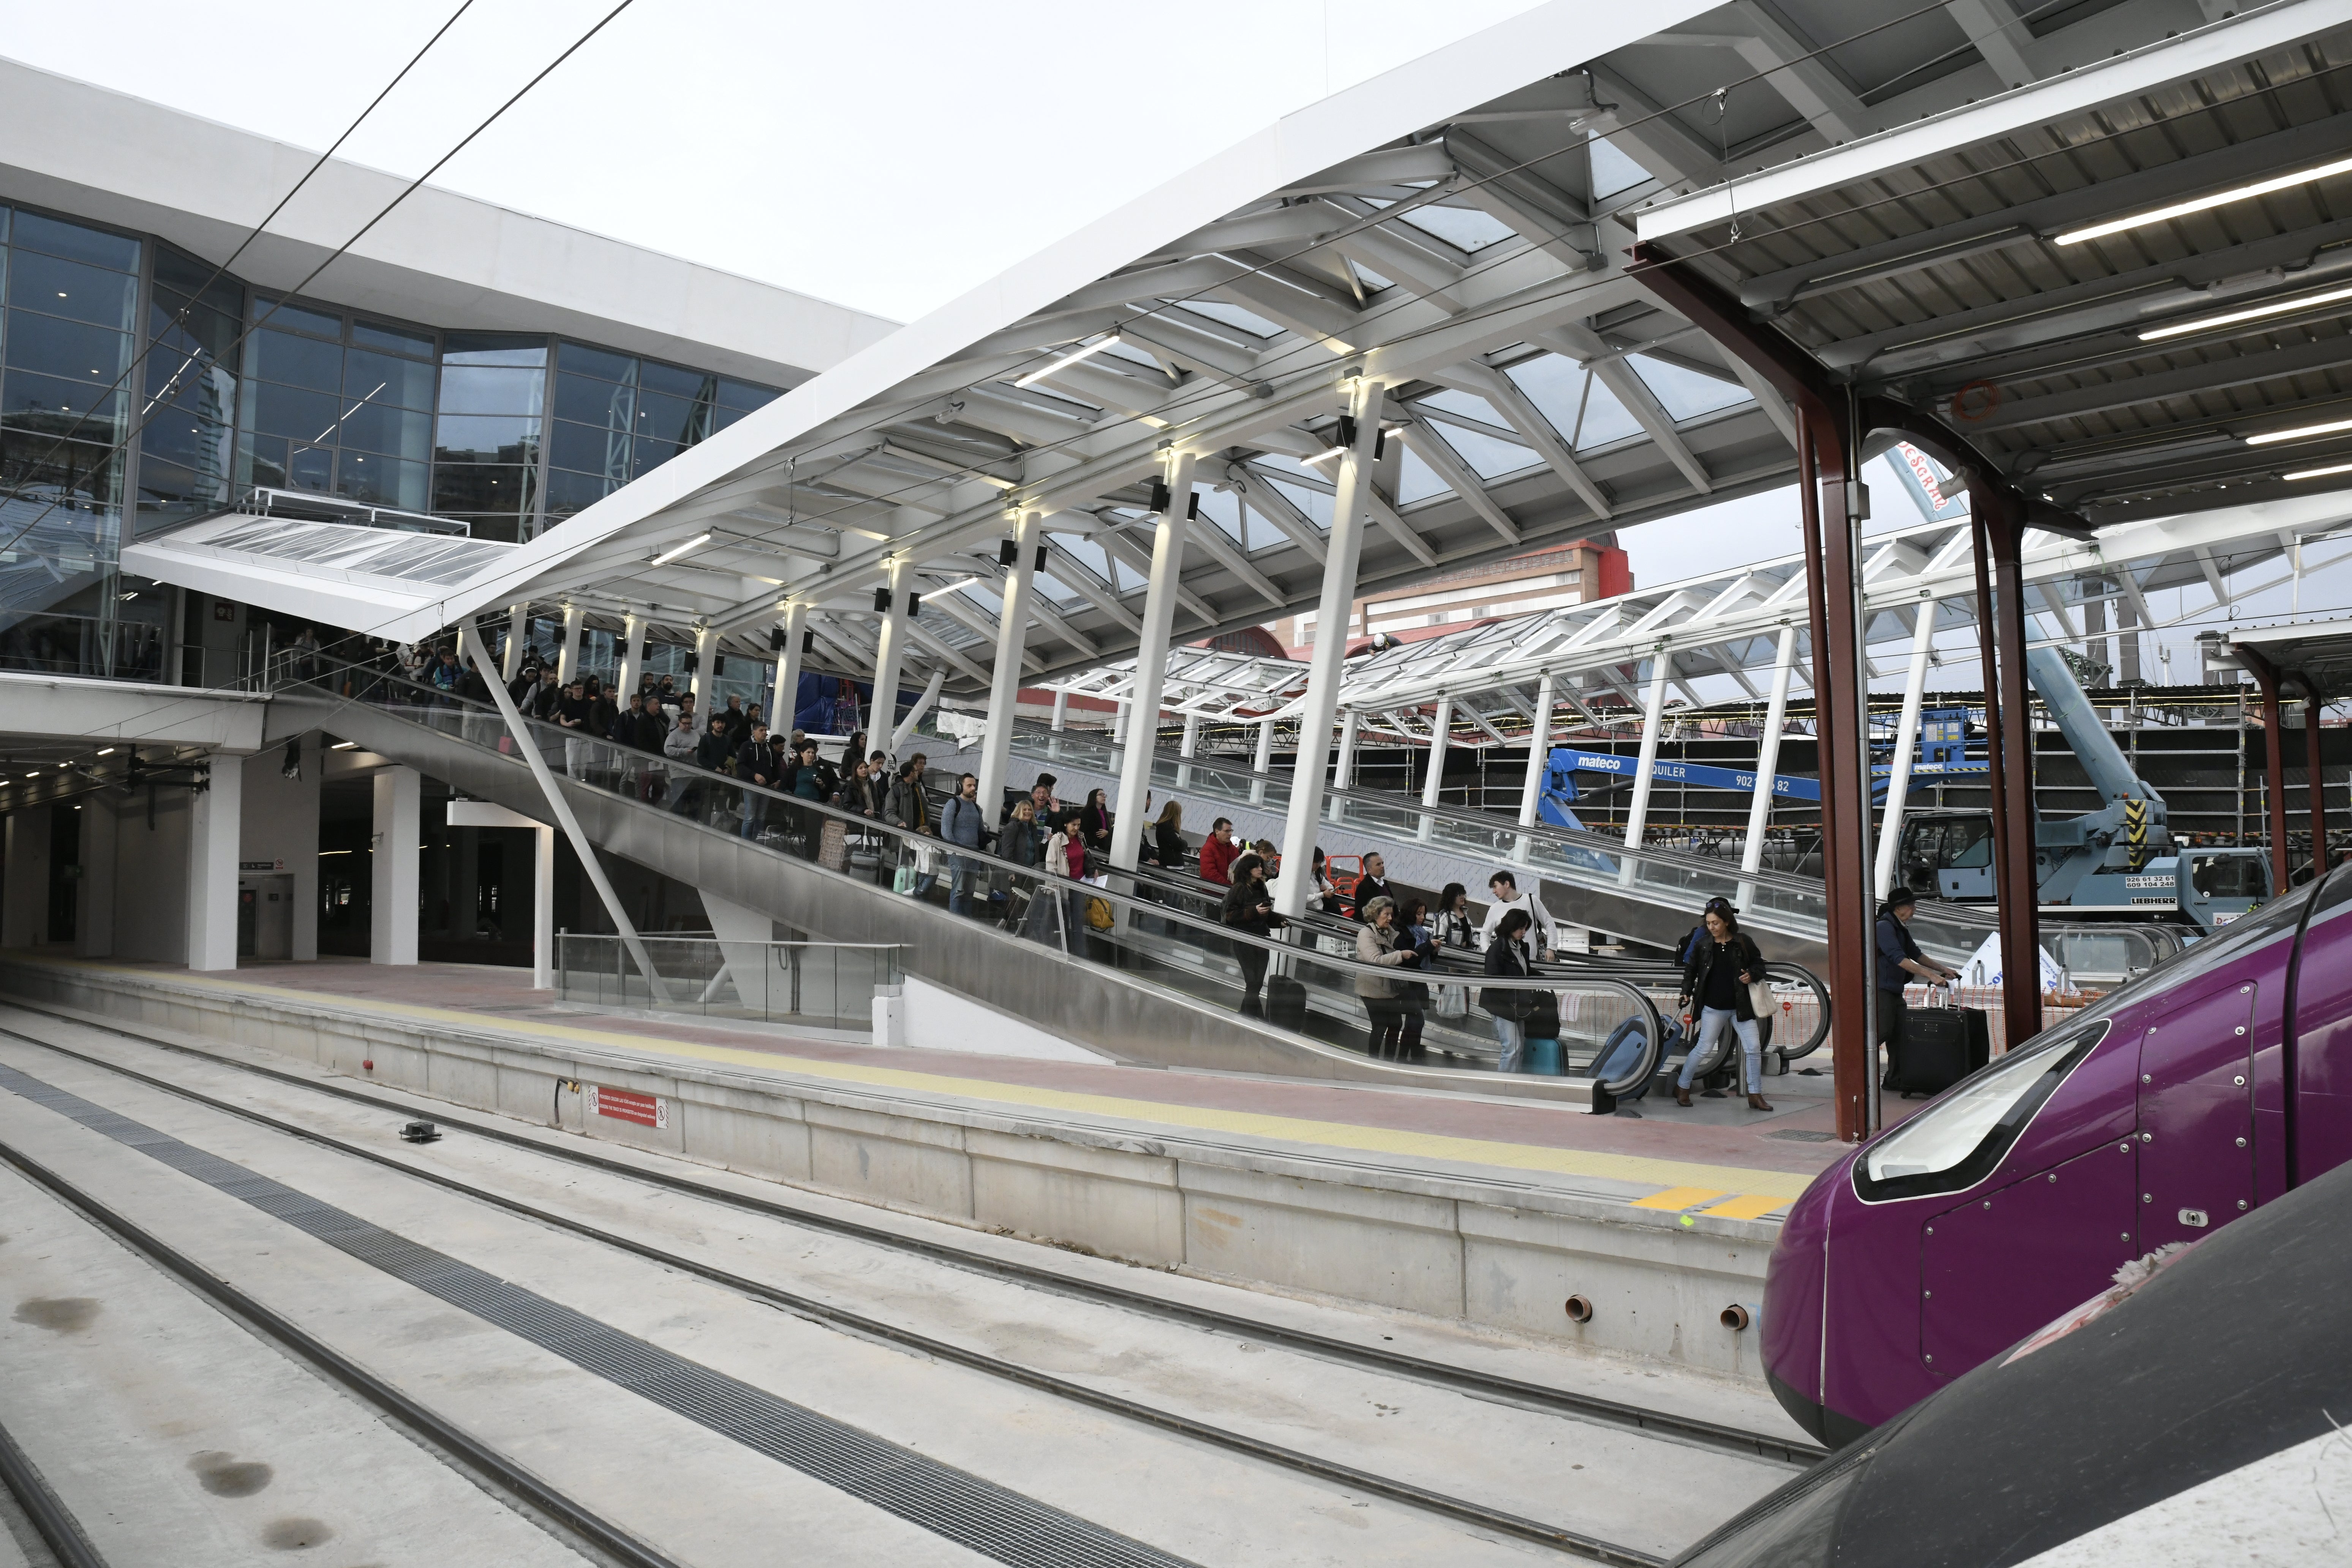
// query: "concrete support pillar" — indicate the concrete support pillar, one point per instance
point(784, 700)
point(1262, 762)
point(705, 673)
point(94, 922)
point(1188, 747)
point(890, 652)
point(567, 657)
point(24, 896)
point(2315, 785)
point(1539, 761)
point(1004, 676)
point(392, 895)
point(543, 908)
point(1768, 758)
point(592, 868)
point(1906, 745)
point(1151, 660)
point(518, 636)
point(216, 816)
point(1118, 734)
point(1441, 729)
point(904, 734)
point(633, 657)
point(744, 936)
point(1343, 770)
point(1653, 711)
point(1342, 549)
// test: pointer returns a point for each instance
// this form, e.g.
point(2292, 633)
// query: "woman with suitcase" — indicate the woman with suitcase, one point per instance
point(1718, 977)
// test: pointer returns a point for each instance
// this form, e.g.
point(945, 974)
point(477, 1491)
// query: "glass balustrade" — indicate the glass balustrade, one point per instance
point(826, 984)
point(1308, 982)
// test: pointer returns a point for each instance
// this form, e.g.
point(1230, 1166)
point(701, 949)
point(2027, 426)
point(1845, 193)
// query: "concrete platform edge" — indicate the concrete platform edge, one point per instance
point(1491, 1251)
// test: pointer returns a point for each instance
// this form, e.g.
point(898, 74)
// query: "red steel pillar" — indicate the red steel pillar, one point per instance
point(2266, 679)
point(2002, 530)
point(2315, 792)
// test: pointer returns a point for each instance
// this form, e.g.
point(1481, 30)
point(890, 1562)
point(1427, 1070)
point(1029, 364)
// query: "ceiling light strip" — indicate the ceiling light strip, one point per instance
point(2205, 203)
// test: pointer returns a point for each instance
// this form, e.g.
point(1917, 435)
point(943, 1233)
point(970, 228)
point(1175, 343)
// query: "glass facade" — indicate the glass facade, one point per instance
point(618, 417)
point(128, 368)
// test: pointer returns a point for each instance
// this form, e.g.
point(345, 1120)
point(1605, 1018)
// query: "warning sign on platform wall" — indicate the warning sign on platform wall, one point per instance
point(628, 1105)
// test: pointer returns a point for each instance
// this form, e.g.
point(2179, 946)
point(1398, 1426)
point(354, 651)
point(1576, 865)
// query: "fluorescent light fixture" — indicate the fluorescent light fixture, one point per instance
point(2202, 203)
point(2299, 433)
point(666, 556)
point(2321, 473)
point(32, 772)
point(106, 751)
point(1068, 359)
point(2251, 313)
point(342, 745)
point(1326, 452)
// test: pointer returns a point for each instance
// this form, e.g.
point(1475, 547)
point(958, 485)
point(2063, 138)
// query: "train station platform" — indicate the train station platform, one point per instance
point(1501, 1212)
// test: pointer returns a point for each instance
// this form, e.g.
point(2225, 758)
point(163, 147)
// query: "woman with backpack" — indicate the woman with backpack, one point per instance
point(1717, 978)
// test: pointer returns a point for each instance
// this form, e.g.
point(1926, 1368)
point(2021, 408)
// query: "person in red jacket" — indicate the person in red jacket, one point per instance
point(1218, 852)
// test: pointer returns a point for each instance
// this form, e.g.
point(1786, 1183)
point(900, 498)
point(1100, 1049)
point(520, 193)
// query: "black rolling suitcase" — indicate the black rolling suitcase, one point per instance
point(1286, 1003)
point(1937, 1047)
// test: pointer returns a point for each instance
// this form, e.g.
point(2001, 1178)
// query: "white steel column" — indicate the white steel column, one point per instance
point(705, 673)
point(1118, 735)
point(633, 657)
point(1342, 548)
point(392, 867)
point(1061, 722)
point(1637, 814)
point(1441, 727)
point(543, 908)
point(216, 821)
point(784, 701)
point(1264, 759)
point(1343, 770)
point(1906, 745)
point(922, 705)
point(889, 653)
point(1152, 662)
point(567, 657)
point(1767, 757)
point(518, 634)
point(1538, 757)
point(593, 869)
point(1004, 676)
point(1188, 749)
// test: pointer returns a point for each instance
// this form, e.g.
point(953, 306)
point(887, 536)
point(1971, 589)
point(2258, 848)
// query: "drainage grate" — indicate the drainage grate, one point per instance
point(961, 1506)
point(1797, 1135)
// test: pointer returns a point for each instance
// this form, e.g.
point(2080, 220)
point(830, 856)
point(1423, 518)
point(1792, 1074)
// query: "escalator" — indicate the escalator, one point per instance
point(1651, 895)
point(1139, 973)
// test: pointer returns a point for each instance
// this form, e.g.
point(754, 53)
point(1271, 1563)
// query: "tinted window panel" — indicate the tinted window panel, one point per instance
point(84, 408)
point(476, 389)
point(34, 232)
point(381, 481)
point(74, 288)
point(81, 475)
point(402, 432)
point(287, 411)
point(184, 328)
point(666, 418)
point(588, 448)
point(311, 468)
point(601, 363)
point(689, 384)
point(380, 378)
point(296, 361)
point(477, 439)
point(71, 349)
point(393, 340)
point(742, 394)
point(289, 317)
point(492, 348)
point(568, 493)
point(462, 489)
point(188, 276)
point(261, 460)
point(594, 402)
point(650, 455)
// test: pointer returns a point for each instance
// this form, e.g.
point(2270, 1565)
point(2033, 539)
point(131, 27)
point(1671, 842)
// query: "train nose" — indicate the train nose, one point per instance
point(1795, 1293)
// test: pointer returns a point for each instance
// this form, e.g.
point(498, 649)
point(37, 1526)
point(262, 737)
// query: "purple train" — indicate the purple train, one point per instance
point(2208, 1086)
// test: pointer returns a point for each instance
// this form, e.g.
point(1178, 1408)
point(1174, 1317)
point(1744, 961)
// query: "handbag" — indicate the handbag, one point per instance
point(1760, 999)
point(1099, 914)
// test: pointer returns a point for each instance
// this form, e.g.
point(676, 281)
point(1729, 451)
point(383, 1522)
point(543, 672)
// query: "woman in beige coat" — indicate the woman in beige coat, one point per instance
point(1376, 943)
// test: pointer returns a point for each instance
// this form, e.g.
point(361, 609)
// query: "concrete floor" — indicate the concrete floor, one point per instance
point(690, 1490)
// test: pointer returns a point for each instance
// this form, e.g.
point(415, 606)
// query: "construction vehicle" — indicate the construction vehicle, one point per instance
point(2116, 862)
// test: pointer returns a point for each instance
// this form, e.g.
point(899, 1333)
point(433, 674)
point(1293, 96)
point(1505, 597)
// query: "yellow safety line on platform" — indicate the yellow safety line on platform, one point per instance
point(1676, 1198)
point(1747, 1184)
point(1746, 1205)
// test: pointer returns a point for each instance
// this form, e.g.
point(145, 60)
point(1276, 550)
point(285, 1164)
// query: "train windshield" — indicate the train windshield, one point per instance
point(1957, 1142)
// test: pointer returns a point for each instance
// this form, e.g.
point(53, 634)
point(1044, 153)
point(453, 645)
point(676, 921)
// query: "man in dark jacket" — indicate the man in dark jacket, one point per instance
point(571, 712)
point(758, 763)
point(1900, 962)
point(1372, 884)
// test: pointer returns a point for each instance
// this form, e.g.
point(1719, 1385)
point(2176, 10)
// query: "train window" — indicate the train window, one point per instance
point(1955, 1143)
point(2228, 877)
point(1969, 845)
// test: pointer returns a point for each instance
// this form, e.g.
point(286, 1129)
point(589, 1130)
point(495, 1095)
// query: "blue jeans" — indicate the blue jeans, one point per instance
point(1512, 1036)
point(1712, 1022)
point(961, 873)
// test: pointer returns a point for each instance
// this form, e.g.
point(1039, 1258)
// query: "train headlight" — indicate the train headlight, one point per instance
point(1955, 1143)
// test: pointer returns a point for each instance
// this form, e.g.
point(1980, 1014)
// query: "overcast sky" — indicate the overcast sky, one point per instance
point(888, 157)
